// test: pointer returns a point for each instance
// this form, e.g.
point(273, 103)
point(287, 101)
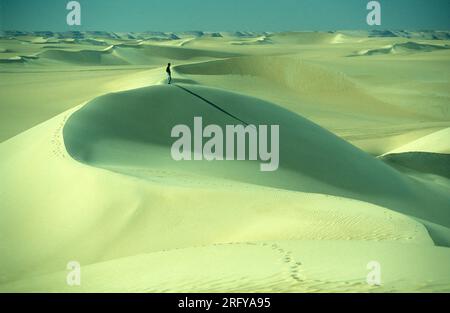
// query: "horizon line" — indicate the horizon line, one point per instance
point(225, 31)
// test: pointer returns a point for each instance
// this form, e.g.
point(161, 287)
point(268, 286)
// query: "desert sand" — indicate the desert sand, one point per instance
point(88, 176)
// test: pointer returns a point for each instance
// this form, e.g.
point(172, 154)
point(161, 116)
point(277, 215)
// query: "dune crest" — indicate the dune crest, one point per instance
point(407, 47)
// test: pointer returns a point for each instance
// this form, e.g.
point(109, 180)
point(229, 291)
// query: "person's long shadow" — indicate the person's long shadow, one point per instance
point(183, 81)
point(211, 103)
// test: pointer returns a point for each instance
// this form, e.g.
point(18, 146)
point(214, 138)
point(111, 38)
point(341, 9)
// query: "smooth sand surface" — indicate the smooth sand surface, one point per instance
point(364, 159)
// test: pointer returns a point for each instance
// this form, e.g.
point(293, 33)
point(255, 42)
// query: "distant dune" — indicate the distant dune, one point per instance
point(437, 142)
point(126, 54)
point(408, 47)
point(86, 57)
point(429, 154)
point(17, 59)
point(429, 35)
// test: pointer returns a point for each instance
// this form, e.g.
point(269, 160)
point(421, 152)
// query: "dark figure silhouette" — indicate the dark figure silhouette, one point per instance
point(169, 74)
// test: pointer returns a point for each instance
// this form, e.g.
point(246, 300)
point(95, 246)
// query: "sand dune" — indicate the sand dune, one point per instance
point(97, 225)
point(124, 54)
point(257, 41)
point(283, 266)
point(437, 142)
point(86, 57)
point(424, 35)
point(295, 79)
point(16, 59)
point(180, 53)
point(429, 35)
point(56, 91)
point(433, 163)
point(307, 38)
point(86, 158)
point(291, 71)
point(407, 47)
point(429, 154)
point(109, 138)
point(95, 42)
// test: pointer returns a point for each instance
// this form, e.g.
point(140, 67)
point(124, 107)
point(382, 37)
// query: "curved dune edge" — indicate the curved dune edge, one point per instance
point(437, 142)
point(128, 133)
point(427, 155)
point(424, 162)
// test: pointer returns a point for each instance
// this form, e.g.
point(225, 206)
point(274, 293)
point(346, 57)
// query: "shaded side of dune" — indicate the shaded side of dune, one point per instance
point(118, 130)
point(426, 162)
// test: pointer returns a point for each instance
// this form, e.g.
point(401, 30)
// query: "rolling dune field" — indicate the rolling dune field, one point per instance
point(363, 177)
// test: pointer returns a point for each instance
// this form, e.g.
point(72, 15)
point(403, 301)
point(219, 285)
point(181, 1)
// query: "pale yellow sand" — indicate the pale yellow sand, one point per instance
point(96, 184)
point(438, 142)
point(264, 266)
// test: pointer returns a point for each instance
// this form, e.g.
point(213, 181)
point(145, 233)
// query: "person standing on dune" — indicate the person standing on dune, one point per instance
point(169, 73)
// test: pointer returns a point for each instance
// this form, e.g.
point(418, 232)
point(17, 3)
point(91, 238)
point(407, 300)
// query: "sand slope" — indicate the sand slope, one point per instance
point(273, 266)
point(159, 208)
point(437, 142)
point(427, 155)
point(111, 130)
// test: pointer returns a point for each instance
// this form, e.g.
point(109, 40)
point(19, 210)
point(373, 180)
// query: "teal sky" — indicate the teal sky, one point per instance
point(223, 15)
